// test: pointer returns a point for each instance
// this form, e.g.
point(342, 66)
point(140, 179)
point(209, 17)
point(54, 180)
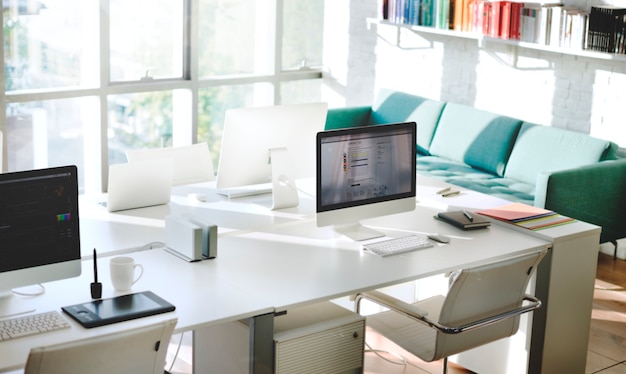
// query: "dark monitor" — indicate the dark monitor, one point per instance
point(364, 172)
point(39, 230)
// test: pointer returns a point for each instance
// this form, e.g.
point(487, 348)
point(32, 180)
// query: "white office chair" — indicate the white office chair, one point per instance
point(140, 350)
point(483, 304)
point(192, 163)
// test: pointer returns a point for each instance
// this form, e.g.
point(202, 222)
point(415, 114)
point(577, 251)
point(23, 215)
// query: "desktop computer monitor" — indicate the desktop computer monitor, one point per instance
point(250, 134)
point(364, 172)
point(39, 230)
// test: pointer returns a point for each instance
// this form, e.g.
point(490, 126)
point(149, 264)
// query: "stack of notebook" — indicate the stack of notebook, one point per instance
point(527, 216)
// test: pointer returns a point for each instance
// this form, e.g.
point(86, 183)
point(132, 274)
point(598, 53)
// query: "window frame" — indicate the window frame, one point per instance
point(96, 163)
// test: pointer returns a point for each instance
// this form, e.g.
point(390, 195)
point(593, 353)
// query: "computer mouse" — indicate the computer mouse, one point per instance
point(439, 238)
point(197, 196)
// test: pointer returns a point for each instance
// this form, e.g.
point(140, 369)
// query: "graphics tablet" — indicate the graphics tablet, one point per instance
point(117, 309)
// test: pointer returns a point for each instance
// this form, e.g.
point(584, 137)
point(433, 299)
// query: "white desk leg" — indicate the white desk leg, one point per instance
point(565, 284)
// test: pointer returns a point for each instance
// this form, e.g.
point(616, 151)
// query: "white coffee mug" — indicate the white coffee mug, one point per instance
point(123, 272)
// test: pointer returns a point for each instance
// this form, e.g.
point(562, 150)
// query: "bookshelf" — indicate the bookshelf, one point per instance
point(483, 41)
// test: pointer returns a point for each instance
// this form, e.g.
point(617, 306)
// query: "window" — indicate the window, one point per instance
point(48, 133)
point(86, 80)
point(50, 45)
point(146, 39)
point(235, 38)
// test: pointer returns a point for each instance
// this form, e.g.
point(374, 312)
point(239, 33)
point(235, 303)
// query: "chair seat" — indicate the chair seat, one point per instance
point(416, 338)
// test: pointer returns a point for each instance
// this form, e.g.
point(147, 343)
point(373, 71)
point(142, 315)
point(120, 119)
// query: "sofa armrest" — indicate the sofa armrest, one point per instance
point(339, 118)
point(592, 193)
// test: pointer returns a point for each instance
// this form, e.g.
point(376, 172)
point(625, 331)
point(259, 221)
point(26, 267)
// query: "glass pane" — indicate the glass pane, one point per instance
point(213, 104)
point(136, 121)
point(50, 44)
point(303, 28)
point(146, 39)
point(48, 133)
point(304, 91)
point(235, 37)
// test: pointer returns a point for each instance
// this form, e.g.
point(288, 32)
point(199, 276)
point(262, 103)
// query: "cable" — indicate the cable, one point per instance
point(40, 292)
point(180, 343)
point(151, 245)
point(403, 361)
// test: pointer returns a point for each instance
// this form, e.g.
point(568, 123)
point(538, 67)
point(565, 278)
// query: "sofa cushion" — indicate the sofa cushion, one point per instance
point(392, 106)
point(543, 148)
point(339, 118)
point(462, 175)
point(478, 138)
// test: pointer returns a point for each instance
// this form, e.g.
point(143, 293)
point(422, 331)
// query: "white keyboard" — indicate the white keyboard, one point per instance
point(17, 327)
point(251, 190)
point(398, 245)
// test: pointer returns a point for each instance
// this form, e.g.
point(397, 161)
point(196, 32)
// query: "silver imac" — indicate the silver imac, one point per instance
point(364, 172)
point(250, 135)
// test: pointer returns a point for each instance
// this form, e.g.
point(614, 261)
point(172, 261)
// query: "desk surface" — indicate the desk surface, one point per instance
point(266, 259)
point(143, 228)
point(200, 297)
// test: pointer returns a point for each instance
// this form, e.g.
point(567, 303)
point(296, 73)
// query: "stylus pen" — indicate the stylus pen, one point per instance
point(95, 266)
point(96, 287)
point(469, 216)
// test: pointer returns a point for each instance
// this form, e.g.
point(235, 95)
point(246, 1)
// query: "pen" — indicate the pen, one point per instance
point(452, 193)
point(469, 216)
point(95, 266)
point(96, 287)
point(441, 192)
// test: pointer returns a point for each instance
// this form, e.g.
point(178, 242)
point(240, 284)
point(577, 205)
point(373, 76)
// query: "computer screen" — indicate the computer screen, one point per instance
point(251, 133)
point(364, 172)
point(39, 228)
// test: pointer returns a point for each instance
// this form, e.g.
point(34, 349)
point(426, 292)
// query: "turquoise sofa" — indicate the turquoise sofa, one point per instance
point(569, 172)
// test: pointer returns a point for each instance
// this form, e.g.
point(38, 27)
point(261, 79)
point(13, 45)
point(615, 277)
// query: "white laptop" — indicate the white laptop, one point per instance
point(192, 163)
point(139, 184)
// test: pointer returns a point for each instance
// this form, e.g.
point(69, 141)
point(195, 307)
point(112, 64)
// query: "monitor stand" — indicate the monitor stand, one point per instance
point(358, 232)
point(284, 192)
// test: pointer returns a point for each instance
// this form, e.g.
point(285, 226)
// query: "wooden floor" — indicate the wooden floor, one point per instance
point(607, 338)
point(607, 341)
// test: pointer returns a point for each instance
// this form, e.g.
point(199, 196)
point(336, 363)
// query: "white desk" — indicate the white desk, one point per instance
point(200, 297)
point(279, 259)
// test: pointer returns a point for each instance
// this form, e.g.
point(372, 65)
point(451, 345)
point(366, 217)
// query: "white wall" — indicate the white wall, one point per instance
point(578, 93)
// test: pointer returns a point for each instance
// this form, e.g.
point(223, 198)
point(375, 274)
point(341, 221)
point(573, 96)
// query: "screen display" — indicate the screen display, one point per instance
point(38, 218)
point(365, 165)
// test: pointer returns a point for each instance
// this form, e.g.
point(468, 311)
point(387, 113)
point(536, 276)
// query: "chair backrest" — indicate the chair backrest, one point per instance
point(140, 350)
point(483, 292)
point(192, 163)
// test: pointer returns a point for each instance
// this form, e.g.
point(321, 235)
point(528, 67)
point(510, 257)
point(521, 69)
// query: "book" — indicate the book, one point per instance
point(515, 211)
point(505, 19)
point(544, 222)
point(526, 216)
point(516, 21)
point(463, 219)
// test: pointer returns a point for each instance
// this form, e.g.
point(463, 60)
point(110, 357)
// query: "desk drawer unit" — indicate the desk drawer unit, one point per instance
point(319, 338)
point(322, 338)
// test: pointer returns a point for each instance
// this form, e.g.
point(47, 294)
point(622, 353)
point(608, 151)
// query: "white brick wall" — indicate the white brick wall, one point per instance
point(578, 93)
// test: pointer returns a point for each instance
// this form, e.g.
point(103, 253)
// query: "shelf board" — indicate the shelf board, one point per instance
point(483, 39)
